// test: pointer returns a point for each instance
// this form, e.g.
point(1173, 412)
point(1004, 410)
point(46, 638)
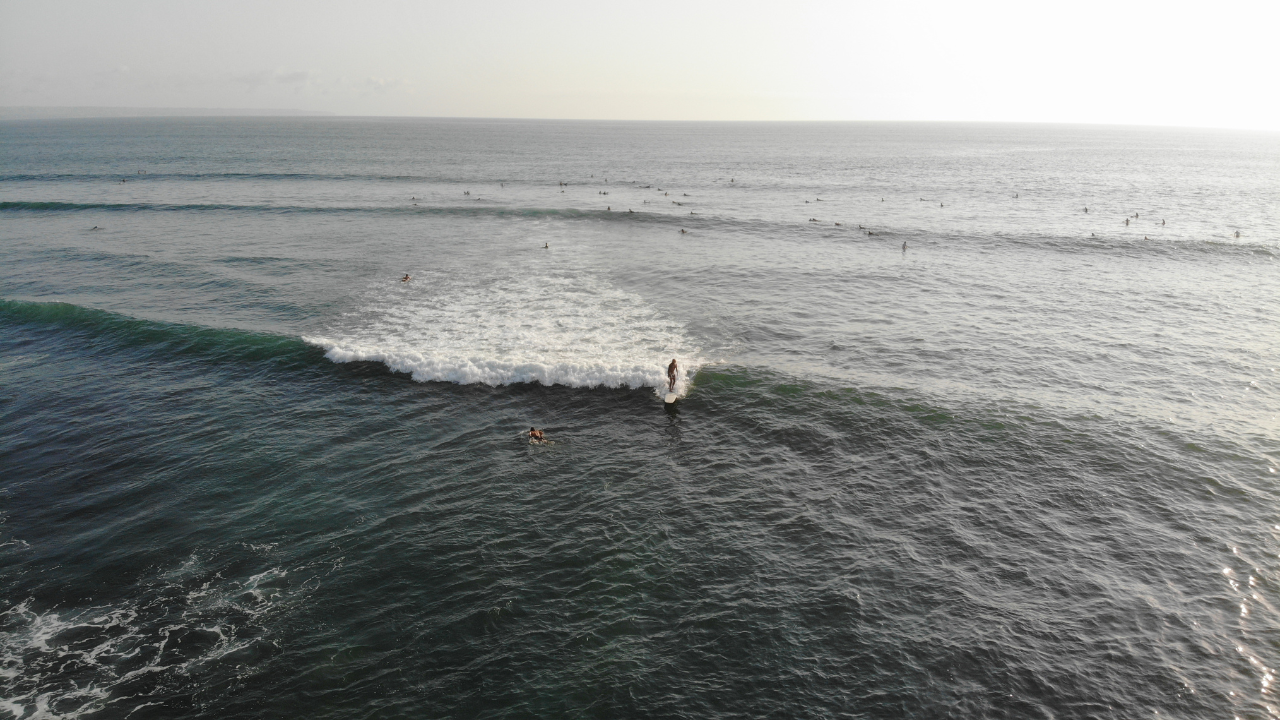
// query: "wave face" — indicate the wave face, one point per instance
point(164, 339)
point(571, 331)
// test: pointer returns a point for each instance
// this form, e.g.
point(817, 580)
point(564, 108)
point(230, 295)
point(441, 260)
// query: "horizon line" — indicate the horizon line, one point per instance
point(9, 113)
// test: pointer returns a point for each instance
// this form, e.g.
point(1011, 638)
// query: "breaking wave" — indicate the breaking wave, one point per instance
point(572, 331)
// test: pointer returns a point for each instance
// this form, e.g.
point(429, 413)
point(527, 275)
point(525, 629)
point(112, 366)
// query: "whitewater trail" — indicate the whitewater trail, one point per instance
point(575, 331)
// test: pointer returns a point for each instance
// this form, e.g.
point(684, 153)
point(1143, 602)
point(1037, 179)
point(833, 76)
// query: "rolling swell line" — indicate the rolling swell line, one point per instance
point(452, 211)
point(163, 338)
point(750, 226)
point(150, 176)
point(771, 229)
point(28, 206)
point(32, 206)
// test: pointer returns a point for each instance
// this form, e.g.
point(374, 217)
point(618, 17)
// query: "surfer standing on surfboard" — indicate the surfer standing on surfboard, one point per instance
point(671, 376)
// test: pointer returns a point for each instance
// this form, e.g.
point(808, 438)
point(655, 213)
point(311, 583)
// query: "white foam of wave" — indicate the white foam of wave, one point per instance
point(41, 666)
point(27, 658)
point(555, 330)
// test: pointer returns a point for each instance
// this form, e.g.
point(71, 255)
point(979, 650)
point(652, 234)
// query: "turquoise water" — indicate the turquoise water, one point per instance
point(1024, 468)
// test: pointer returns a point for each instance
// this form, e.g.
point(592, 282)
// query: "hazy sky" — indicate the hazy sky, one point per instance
point(1115, 61)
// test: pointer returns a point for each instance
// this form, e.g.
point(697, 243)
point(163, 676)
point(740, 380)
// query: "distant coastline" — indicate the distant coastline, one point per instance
point(73, 112)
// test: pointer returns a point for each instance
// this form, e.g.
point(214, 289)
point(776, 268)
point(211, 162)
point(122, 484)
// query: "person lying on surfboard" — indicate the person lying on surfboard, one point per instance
point(536, 435)
point(406, 278)
point(671, 376)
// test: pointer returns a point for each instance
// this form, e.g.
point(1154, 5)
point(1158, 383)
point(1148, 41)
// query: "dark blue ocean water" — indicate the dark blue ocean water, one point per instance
point(947, 444)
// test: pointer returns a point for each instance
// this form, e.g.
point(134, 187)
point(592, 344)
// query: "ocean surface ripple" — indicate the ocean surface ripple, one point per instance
point(1022, 466)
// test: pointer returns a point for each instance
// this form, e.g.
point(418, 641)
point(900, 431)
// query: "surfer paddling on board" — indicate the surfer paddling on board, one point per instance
point(535, 435)
point(406, 278)
point(671, 376)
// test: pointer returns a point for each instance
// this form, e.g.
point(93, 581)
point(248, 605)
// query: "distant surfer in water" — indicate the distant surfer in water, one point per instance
point(406, 278)
point(546, 246)
point(671, 376)
point(535, 435)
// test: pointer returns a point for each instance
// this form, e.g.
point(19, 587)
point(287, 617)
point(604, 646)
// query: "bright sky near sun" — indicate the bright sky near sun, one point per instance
point(1116, 61)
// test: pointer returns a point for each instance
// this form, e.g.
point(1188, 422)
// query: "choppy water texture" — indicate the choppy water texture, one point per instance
point(1025, 467)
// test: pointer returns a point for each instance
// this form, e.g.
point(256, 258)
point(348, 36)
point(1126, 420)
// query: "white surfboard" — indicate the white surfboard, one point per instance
point(670, 398)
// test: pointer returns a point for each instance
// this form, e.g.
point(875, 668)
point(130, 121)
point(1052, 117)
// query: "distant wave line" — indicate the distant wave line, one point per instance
point(773, 229)
point(135, 176)
point(54, 206)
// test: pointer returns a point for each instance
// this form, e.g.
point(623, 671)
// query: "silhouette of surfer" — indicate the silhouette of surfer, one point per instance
point(671, 376)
